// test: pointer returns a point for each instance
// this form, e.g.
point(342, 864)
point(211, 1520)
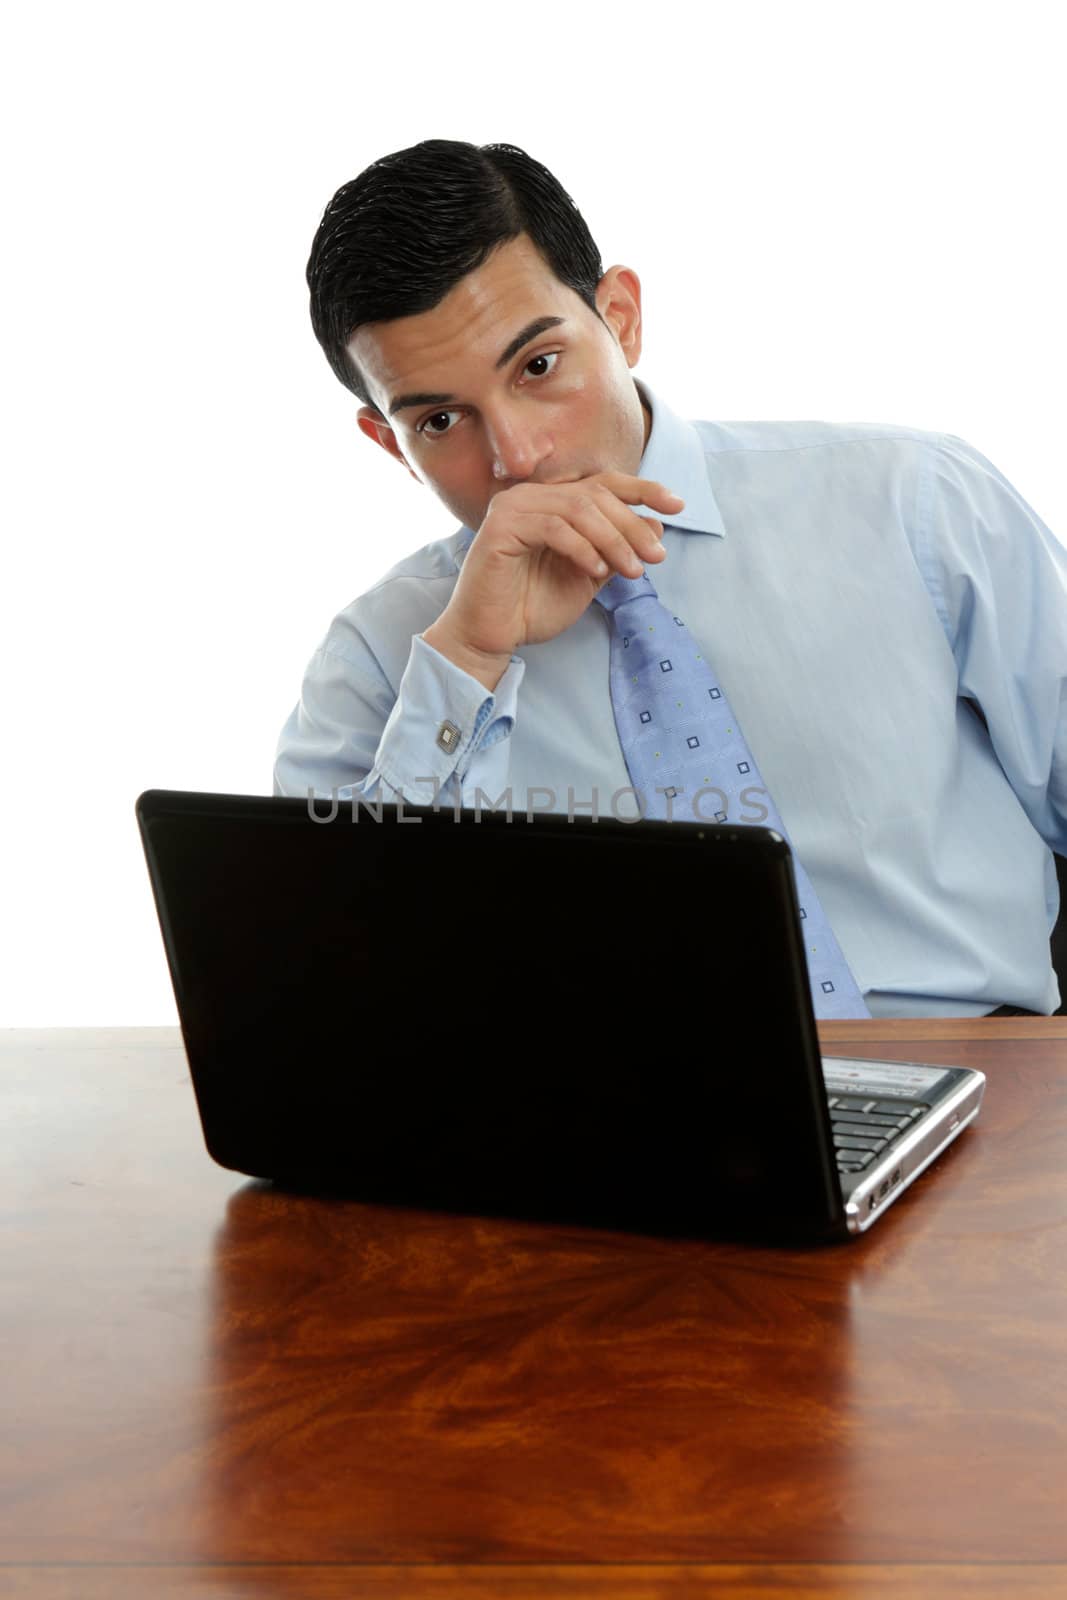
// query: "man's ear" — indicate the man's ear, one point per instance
point(374, 425)
point(618, 299)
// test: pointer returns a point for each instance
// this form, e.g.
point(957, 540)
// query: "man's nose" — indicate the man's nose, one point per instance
point(516, 451)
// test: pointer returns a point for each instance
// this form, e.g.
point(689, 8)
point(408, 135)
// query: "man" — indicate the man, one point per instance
point(885, 614)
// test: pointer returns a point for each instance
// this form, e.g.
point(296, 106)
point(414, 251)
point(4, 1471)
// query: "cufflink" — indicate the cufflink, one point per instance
point(448, 736)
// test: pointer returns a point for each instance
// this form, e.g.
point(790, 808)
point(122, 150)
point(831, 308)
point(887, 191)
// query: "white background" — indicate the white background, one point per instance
point(850, 211)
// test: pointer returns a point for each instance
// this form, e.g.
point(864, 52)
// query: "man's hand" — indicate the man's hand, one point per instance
point(539, 558)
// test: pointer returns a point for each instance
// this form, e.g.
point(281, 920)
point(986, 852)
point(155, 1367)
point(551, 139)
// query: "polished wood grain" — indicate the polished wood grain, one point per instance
point(212, 1388)
point(834, 1034)
point(725, 1581)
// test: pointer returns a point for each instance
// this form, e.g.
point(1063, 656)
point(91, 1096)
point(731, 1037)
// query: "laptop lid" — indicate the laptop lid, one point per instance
point(562, 1017)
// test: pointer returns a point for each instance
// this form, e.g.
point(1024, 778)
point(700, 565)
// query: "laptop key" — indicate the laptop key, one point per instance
point(848, 1128)
point(875, 1119)
point(852, 1141)
point(854, 1160)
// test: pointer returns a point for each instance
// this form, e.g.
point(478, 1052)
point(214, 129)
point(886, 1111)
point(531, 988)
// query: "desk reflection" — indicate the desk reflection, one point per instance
point(393, 1385)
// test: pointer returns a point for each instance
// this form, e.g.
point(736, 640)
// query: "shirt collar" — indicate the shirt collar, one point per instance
point(674, 456)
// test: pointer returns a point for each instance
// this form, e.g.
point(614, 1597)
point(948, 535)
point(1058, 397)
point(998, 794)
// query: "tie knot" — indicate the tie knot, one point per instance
point(618, 590)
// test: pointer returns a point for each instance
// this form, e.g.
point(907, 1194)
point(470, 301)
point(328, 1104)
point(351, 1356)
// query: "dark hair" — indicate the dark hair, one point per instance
point(395, 240)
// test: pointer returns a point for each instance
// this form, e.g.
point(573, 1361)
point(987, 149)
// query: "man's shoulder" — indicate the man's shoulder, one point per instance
point(424, 571)
point(403, 601)
point(441, 558)
point(759, 437)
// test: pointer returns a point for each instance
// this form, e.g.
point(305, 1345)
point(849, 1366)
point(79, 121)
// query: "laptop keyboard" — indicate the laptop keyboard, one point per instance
point(864, 1129)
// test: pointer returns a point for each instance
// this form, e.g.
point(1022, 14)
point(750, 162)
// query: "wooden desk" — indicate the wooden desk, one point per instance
point(212, 1389)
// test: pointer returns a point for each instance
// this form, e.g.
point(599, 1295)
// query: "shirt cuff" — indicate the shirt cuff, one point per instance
point(442, 718)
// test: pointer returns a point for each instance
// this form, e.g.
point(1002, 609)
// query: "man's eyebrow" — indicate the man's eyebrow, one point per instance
point(531, 331)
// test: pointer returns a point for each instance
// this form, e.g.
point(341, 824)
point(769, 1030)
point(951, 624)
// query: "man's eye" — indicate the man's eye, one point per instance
point(435, 433)
point(549, 355)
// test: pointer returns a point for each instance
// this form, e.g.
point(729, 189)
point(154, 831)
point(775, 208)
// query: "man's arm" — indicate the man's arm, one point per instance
point(538, 559)
point(998, 577)
point(440, 734)
point(487, 668)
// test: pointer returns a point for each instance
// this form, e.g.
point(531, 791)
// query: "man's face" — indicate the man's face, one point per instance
point(468, 419)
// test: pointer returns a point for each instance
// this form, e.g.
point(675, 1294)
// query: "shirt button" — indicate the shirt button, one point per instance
point(448, 736)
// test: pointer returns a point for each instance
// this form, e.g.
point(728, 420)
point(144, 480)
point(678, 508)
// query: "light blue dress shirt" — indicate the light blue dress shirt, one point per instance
point(862, 591)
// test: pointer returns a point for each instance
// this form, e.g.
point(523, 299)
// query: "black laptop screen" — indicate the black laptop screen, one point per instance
point(469, 1002)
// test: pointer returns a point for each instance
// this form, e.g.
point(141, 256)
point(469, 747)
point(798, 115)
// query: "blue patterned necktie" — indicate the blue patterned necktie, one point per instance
point(679, 736)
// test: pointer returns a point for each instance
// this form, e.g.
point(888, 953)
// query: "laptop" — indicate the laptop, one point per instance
point(571, 1018)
